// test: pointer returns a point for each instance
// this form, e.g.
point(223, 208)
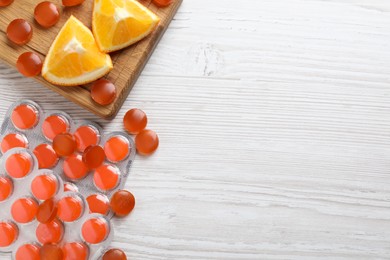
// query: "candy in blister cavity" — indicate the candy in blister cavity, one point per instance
point(60, 183)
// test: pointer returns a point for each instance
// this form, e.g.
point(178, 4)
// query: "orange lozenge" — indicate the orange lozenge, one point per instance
point(18, 165)
point(94, 156)
point(6, 188)
point(24, 210)
point(64, 144)
point(46, 14)
point(13, 140)
point(106, 177)
point(72, 2)
point(98, 203)
point(8, 233)
point(122, 203)
point(54, 125)
point(47, 211)
point(4, 3)
point(114, 254)
point(29, 64)
point(51, 232)
point(162, 3)
point(46, 156)
point(19, 31)
point(68, 186)
point(24, 116)
point(103, 92)
point(86, 136)
point(70, 208)
point(74, 167)
point(135, 120)
point(75, 250)
point(95, 230)
point(44, 186)
point(27, 252)
point(117, 148)
point(51, 252)
point(146, 142)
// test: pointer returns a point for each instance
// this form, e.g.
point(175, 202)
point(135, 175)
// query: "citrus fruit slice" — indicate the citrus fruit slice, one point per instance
point(74, 58)
point(117, 24)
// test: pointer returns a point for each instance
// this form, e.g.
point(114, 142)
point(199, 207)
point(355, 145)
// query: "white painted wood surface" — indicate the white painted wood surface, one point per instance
point(274, 120)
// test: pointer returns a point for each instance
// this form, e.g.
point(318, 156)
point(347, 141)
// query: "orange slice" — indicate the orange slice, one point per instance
point(117, 24)
point(74, 58)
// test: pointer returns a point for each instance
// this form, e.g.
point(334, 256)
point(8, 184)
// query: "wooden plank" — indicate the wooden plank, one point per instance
point(128, 63)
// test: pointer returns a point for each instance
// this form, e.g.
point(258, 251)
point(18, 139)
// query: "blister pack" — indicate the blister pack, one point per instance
point(46, 198)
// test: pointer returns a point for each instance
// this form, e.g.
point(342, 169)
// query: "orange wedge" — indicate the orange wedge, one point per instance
point(74, 57)
point(117, 24)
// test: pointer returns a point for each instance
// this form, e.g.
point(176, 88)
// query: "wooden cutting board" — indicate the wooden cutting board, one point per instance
point(128, 63)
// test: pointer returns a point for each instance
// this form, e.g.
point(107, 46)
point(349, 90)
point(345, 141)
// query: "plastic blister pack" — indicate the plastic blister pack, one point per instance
point(32, 174)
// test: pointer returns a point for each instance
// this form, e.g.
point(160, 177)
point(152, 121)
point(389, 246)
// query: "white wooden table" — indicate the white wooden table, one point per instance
point(274, 121)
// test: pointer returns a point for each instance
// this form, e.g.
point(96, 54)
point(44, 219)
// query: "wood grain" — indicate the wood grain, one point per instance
point(128, 63)
point(274, 122)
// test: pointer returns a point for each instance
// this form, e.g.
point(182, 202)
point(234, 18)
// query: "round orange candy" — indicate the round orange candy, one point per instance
point(64, 144)
point(5, 2)
point(146, 142)
point(114, 254)
point(69, 209)
point(47, 211)
point(18, 165)
point(8, 233)
point(68, 186)
point(122, 203)
point(27, 252)
point(13, 140)
point(46, 156)
point(74, 167)
point(72, 2)
point(6, 188)
point(162, 3)
point(106, 177)
point(75, 250)
point(116, 148)
point(46, 14)
point(44, 187)
point(86, 136)
point(135, 120)
point(54, 125)
point(24, 210)
point(24, 116)
point(98, 203)
point(95, 230)
point(103, 92)
point(94, 156)
point(51, 232)
point(19, 31)
point(51, 252)
point(29, 64)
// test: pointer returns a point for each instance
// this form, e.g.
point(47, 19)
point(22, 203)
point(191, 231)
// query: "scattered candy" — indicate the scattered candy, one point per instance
point(94, 156)
point(135, 120)
point(29, 64)
point(5, 2)
point(103, 92)
point(64, 144)
point(72, 2)
point(114, 254)
point(46, 14)
point(146, 142)
point(162, 3)
point(122, 203)
point(19, 31)
point(51, 252)
point(47, 211)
